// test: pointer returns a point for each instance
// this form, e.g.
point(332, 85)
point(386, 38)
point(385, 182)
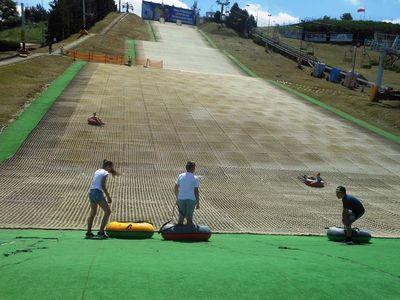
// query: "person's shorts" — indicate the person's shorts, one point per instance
point(96, 196)
point(351, 218)
point(186, 208)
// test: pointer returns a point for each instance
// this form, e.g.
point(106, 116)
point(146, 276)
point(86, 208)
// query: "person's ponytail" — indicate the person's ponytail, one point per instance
point(107, 164)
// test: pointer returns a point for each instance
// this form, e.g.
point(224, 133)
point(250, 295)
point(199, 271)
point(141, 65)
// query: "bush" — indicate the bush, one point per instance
point(394, 68)
point(374, 62)
point(258, 41)
point(9, 46)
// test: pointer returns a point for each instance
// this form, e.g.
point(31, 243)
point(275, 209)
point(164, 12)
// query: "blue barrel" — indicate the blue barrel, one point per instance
point(319, 69)
point(334, 75)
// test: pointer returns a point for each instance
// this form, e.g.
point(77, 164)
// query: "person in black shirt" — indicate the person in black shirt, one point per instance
point(352, 211)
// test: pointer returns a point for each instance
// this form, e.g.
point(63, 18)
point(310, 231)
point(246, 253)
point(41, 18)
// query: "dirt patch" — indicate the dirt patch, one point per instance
point(276, 67)
point(114, 42)
point(22, 83)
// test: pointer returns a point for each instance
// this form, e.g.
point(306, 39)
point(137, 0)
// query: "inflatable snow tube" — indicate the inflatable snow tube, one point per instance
point(94, 122)
point(174, 232)
point(319, 184)
point(122, 230)
point(359, 236)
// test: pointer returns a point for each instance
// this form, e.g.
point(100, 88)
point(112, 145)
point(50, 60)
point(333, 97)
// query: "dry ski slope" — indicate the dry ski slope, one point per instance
point(249, 139)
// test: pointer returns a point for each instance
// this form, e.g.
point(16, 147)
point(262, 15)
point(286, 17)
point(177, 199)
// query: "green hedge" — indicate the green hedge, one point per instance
point(9, 46)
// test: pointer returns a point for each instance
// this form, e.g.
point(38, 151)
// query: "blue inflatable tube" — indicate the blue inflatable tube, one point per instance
point(358, 235)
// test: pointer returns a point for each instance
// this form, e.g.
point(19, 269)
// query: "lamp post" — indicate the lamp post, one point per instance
point(248, 5)
point(42, 28)
point(269, 22)
point(23, 29)
point(84, 14)
point(257, 16)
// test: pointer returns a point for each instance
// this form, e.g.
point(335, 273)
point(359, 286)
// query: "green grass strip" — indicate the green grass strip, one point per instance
point(150, 30)
point(241, 66)
point(132, 50)
point(14, 135)
point(210, 41)
point(381, 132)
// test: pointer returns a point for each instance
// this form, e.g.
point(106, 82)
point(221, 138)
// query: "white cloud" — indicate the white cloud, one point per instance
point(264, 19)
point(354, 2)
point(137, 4)
point(395, 21)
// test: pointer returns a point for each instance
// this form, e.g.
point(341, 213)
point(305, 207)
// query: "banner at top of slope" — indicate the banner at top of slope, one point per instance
point(155, 11)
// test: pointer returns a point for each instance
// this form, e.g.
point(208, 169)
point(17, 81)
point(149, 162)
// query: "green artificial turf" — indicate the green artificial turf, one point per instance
point(132, 50)
point(62, 265)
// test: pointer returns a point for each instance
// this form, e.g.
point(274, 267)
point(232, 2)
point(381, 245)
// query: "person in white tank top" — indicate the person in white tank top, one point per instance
point(96, 198)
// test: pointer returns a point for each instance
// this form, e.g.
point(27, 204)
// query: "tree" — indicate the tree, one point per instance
point(346, 17)
point(238, 19)
point(66, 16)
point(217, 17)
point(36, 14)
point(8, 13)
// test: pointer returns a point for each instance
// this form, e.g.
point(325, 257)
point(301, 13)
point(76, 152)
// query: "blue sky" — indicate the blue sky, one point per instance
point(290, 11)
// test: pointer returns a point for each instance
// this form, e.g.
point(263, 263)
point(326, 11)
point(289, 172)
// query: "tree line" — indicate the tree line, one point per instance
point(238, 19)
point(64, 18)
point(362, 29)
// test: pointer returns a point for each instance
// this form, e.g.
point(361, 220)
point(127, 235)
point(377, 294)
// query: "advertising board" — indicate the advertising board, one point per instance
point(155, 11)
point(341, 37)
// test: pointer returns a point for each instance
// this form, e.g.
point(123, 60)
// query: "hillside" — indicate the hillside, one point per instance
point(340, 56)
point(273, 66)
point(33, 33)
point(113, 42)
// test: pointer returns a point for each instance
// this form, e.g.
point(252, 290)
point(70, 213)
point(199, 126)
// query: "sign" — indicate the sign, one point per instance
point(341, 37)
point(155, 11)
point(315, 37)
point(292, 34)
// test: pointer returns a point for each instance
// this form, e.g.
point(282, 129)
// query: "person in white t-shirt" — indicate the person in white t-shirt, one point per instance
point(96, 198)
point(187, 194)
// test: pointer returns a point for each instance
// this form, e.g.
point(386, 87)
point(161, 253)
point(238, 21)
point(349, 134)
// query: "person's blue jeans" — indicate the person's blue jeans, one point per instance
point(186, 209)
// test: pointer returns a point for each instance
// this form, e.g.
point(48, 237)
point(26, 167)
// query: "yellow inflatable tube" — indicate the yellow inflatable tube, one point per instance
point(124, 230)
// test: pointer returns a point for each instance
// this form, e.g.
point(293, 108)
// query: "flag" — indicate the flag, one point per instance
point(361, 9)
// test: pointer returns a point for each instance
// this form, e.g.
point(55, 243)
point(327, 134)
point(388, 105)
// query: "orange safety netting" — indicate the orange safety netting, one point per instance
point(100, 58)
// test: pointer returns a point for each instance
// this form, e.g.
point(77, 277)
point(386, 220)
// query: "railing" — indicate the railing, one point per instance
point(100, 58)
point(300, 55)
point(289, 50)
